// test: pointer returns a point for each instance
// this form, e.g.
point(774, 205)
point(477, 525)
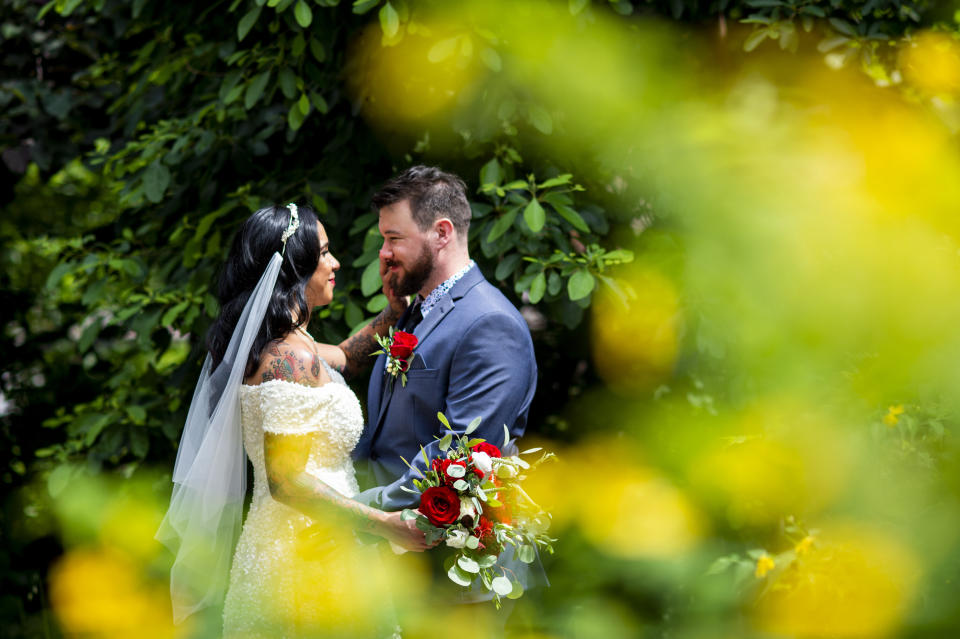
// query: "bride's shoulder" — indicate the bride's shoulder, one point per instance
point(289, 361)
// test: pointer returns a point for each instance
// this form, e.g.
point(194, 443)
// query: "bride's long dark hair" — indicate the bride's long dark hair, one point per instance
point(253, 246)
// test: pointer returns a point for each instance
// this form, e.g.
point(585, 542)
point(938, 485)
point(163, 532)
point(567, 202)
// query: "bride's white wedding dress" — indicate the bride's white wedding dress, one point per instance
point(292, 576)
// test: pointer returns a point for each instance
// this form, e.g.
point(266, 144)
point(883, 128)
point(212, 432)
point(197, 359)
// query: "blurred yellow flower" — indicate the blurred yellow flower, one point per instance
point(102, 593)
point(635, 347)
point(932, 63)
point(893, 415)
point(804, 545)
point(764, 565)
point(857, 584)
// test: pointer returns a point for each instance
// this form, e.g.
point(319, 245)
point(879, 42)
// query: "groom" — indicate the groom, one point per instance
point(474, 357)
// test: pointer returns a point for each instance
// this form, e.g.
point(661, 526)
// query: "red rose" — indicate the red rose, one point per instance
point(488, 448)
point(440, 505)
point(403, 345)
point(441, 466)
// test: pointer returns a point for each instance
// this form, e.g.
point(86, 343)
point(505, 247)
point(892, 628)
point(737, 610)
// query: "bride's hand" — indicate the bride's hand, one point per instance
point(405, 533)
point(398, 303)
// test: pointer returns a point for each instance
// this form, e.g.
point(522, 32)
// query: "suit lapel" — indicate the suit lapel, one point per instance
point(422, 331)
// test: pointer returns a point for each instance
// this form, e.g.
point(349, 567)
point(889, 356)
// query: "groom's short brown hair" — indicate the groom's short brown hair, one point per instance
point(432, 194)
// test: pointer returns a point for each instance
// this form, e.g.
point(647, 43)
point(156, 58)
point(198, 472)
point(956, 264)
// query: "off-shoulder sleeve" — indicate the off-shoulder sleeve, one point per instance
point(295, 409)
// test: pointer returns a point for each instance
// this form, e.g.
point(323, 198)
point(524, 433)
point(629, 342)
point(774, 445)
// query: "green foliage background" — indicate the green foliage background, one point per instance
point(136, 136)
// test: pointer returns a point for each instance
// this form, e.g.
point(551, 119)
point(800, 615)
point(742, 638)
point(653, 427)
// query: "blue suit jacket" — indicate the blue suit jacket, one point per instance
point(474, 359)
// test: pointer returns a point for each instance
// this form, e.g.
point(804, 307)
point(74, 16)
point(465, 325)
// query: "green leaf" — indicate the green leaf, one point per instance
point(754, 39)
point(460, 485)
point(491, 58)
point(473, 543)
point(537, 288)
point(443, 420)
point(246, 22)
point(517, 591)
point(472, 426)
point(534, 216)
point(507, 266)
point(172, 313)
point(408, 515)
point(370, 281)
point(570, 215)
point(458, 576)
point(540, 118)
point(442, 50)
point(580, 285)
point(288, 83)
point(557, 181)
point(316, 48)
point(502, 586)
point(506, 437)
point(295, 117)
point(503, 223)
point(490, 173)
point(137, 413)
point(444, 444)
point(57, 274)
point(255, 89)
point(468, 564)
point(155, 181)
point(526, 554)
point(377, 303)
point(298, 46)
point(389, 20)
point(303, 14)
point(362, 6)
point(304, 104)
point(352, 314)
point(618, 256)
point(59, 478)
point(318, 102)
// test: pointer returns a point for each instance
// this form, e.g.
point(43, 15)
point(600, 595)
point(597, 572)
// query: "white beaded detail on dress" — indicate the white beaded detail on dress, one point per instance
point(273, 586)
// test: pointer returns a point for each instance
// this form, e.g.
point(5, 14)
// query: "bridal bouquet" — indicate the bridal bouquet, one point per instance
point(471, 498)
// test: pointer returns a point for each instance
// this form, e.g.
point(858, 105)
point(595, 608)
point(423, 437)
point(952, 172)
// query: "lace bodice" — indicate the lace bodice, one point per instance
point(330, 413)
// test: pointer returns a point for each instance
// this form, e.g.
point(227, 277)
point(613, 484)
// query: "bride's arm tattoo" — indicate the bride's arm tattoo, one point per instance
point(286, 457)
point(359, 347)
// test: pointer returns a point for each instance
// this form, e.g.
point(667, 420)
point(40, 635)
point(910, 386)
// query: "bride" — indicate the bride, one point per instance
point(267, 388)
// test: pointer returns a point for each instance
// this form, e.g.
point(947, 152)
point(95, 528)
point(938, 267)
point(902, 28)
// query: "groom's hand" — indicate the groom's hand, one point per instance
point(398, 303)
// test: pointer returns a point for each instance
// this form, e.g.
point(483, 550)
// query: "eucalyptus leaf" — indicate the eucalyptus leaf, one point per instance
point(502, 586)
point(468, 564)
point(458, 576)
point(472, 426)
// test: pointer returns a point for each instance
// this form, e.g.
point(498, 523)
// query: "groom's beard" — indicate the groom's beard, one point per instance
point(415, 276)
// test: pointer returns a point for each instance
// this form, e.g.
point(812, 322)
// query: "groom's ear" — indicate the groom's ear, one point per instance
point(445, 232)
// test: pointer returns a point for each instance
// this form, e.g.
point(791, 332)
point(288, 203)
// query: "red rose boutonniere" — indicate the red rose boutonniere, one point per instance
point(398, 347)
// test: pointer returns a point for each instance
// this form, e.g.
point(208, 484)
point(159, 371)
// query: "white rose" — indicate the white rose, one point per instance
point(467, 509)
point(482, 461)
point(457, 538)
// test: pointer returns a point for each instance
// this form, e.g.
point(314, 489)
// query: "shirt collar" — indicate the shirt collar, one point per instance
point(433, 298)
